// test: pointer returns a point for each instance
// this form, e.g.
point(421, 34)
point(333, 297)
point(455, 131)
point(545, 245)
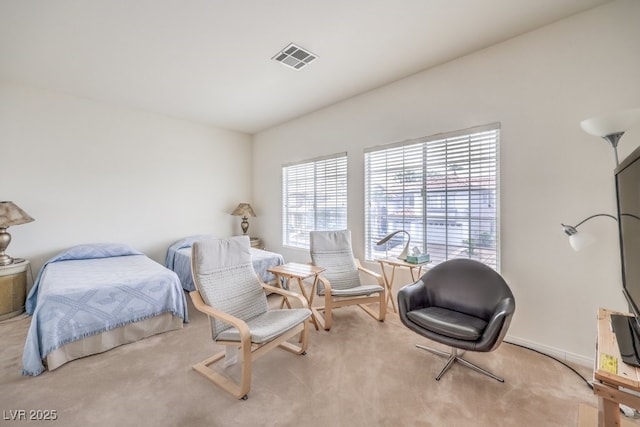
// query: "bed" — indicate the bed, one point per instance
point(178, 259)
point(91, 298)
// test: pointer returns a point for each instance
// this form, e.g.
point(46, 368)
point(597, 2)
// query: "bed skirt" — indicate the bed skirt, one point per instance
point(107, 340)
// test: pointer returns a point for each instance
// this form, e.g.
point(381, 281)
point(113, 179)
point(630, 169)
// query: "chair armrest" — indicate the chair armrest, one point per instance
point(326, 283)
point(499, 321)
point(200, 305)
point(413, 296)
point(285, 293)
point(371, 273)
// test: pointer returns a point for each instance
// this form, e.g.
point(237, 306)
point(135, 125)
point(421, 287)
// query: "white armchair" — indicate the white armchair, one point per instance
point(340, 283)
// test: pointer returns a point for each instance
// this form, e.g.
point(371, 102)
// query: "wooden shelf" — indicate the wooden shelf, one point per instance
point(612, 378)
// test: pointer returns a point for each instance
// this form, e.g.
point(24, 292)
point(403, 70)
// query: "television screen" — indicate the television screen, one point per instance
point(627, 328)
point(627, 176)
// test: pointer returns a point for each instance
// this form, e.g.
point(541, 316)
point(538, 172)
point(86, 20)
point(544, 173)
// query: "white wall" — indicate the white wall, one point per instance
point(539, 86)
point(91, 172)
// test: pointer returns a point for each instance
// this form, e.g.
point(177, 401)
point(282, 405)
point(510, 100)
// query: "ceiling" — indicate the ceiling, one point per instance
point(210, 60)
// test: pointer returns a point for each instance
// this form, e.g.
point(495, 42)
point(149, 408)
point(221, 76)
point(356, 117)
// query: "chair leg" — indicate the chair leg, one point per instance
point(479, 369)
point(453, 357)
point(324, 314)
point(238, 390)
point(328, 311)
point(319, 314)
point(250, 353)
point(434, 351)
point(382, 307)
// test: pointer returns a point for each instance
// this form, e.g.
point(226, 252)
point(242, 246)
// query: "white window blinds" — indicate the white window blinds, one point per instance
point(442, 190)
point(314, 197)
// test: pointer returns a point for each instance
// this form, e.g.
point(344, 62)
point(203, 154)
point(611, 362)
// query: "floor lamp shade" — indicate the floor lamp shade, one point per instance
point(579, 241)
point(10, 214)
point(611, 123)
point(611, 127)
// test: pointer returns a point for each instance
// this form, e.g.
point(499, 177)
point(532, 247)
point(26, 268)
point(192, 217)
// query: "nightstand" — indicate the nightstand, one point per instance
point(256, 243)
point(13, 289)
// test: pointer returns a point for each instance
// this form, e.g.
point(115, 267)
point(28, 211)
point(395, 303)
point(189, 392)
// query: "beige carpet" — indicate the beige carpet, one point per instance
point(361, 373)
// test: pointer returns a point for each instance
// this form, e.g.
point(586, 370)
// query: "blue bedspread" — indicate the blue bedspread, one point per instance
point(90, 289)
point(178, 259)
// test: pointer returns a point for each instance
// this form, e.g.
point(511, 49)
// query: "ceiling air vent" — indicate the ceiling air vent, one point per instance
point(295, 57)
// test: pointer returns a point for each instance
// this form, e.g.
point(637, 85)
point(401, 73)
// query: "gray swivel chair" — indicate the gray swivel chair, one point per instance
point(460, 303)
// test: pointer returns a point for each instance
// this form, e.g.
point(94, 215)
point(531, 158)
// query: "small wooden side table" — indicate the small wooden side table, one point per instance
point(13, 288)
point(294, 270)
point(415, 269)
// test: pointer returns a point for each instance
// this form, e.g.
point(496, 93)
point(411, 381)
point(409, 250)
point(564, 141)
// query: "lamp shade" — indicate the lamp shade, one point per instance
point(244, 210)
point(405, 251)
point(611, 123)
point(11, 214)
point(579, 241)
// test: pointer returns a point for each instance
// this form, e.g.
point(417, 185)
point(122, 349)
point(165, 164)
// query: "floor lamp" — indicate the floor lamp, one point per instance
point(610, 127)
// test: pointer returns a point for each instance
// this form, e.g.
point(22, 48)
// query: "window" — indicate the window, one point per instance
point(314, 197)
point(442, 190)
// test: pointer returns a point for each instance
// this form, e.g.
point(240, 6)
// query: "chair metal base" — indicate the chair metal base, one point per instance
point(453, 357)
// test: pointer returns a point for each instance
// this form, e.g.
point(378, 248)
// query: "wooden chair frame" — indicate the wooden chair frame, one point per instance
point(324, 314)
point(249, 351)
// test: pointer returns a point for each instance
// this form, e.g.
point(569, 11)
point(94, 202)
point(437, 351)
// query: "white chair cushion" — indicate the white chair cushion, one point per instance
point(269, 325)
point(227, 281)
point(213, 254)
point(226, 285)
point(332, 250)
point(354, 292)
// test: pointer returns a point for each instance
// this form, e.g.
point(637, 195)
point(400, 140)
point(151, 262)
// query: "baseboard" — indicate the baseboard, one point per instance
point(557, 353)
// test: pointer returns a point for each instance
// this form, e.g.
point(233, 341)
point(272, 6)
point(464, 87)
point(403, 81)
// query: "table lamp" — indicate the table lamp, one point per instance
point(244, 210)
point(10, 214)
point(405, 251)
